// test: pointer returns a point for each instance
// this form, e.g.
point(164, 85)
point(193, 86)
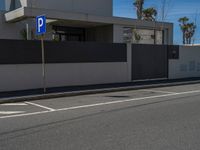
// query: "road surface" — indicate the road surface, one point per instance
point(166, 118)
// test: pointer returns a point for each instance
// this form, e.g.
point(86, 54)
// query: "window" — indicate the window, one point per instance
point(9, 4)
point(68, 33)
point(2, 4)
point(14, 4)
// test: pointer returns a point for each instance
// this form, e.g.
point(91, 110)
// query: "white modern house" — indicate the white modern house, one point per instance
point(102, 55)
point(79, 20)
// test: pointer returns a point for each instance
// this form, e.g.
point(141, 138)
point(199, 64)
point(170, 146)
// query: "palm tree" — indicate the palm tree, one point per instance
point(139, 7)
point(191, 27)
point(149, 14)
point(183, 25)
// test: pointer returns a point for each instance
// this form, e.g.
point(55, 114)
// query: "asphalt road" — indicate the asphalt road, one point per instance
point(165, 118)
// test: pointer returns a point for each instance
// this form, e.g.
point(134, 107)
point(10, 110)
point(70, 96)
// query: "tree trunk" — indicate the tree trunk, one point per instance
point(183, 37)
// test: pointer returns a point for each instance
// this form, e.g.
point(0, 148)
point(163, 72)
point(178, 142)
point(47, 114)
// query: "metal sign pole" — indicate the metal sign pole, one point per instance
point(41, 30)
point(43, 64)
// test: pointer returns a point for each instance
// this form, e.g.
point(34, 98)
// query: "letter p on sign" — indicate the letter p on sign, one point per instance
point(40, 25)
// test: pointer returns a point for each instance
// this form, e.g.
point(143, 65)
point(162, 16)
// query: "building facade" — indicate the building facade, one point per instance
point(79, 20)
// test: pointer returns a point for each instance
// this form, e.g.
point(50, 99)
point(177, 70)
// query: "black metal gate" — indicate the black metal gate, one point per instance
point(149, 62)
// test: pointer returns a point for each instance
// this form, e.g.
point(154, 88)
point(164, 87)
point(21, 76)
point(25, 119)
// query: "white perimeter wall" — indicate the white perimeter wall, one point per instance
point(188, 65)
point(23, 77)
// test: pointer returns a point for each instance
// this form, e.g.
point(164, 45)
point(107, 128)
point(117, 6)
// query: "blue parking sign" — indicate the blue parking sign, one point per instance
point(40, 25)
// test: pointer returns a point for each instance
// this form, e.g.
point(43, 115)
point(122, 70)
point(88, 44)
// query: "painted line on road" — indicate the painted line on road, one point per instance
point(158, 91)
point(128, 100)
point(11, 112)
point(99, 104)
point(41, 106)
point(14, 104)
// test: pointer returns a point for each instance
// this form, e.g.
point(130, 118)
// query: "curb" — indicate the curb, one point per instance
point(94, 91)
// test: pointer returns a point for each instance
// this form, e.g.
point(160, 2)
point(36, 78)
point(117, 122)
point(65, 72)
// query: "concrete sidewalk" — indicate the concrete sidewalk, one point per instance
point(18, 96)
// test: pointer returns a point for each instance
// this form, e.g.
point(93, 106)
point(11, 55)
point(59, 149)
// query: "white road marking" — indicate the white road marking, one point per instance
point(14, 104)
point(11, 112)
point(100, 104)
point(158, 91)
point(28, 114)
point(41, 106)
point(128, 100)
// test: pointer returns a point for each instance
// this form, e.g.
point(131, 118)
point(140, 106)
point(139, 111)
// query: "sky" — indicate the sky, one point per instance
point(176, 9)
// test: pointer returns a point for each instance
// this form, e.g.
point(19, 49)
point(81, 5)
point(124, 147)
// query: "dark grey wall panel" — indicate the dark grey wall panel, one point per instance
point(173, 51)
point(77, 52)
point(29, 52)
point(20, 52)
point(149, 62)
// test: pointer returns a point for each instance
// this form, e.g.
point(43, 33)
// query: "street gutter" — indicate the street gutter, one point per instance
point(92, 91)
